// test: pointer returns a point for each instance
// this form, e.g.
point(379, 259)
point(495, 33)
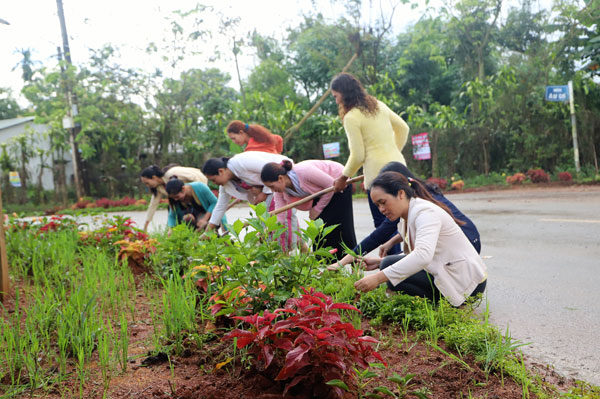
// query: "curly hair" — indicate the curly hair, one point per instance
point(353, 95)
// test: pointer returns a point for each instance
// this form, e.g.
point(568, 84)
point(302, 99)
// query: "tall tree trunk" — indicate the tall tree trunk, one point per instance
point(486, 165)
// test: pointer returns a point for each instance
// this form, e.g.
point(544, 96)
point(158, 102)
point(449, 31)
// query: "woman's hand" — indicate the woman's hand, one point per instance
point(188, 217)
point(370, 282)
point(340, 183)
point(371, 263)
point(203, 221)
point(201, 224)
point(347, 259)
point(384, 249)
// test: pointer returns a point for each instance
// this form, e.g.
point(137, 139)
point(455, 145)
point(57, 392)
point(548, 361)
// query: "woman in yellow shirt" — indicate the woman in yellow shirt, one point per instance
point(376, 134)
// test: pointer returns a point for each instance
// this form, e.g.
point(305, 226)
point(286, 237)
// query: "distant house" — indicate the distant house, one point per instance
point(13, 128)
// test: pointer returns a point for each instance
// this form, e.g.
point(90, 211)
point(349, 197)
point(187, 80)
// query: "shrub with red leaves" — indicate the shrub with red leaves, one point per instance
point(538, 176)
point(311, 345)
point(441, 183)
point(108, 203)
point(565, 176)
point(517, 178)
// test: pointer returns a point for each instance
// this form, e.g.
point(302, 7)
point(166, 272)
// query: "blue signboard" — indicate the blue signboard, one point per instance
point(557, 93)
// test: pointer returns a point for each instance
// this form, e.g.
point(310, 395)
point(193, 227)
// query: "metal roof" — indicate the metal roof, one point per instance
point(6, 123)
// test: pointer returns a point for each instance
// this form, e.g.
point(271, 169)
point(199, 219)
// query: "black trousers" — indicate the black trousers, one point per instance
point(421, 283)
point(339, 211)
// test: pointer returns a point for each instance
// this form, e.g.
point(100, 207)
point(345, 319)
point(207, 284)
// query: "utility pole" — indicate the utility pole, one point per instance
point(574, 127)
point(72, 111)
point(4, 279)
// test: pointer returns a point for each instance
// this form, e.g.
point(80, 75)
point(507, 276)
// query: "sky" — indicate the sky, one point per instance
point(131, 25)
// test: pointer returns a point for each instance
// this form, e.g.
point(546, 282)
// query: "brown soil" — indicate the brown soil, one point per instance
point(194, 374)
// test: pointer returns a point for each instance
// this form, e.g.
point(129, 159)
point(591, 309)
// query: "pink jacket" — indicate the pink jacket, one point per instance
point(314, 175)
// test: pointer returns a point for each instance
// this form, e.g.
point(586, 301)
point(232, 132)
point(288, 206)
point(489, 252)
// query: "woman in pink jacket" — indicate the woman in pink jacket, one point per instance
point(290, 183)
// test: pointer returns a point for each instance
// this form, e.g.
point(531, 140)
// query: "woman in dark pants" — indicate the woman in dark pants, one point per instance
point(388, 228)
point(290, 183)
point(439, 260)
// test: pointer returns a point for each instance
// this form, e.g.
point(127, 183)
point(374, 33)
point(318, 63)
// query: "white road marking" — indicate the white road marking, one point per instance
point(571, 220)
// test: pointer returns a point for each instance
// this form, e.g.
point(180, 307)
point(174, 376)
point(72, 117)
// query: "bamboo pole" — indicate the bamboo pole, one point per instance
point(311, 197)
point(296, 127)
point(4, 286)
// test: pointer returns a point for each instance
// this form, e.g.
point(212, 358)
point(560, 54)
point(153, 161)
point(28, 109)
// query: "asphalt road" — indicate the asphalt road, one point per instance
point(542, 249)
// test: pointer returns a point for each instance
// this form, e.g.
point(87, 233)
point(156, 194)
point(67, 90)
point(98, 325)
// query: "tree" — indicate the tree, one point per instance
point(9, 108)
point(471, 26)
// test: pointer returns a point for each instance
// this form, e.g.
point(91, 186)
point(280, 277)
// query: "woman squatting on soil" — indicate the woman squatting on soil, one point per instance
point(438, 258)
point(389, 228)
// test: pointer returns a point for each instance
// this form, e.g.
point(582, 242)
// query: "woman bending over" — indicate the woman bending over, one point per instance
point(191, 203)
point(239, 177)
point(155, 179)
point(290, 183)
point(254, 137)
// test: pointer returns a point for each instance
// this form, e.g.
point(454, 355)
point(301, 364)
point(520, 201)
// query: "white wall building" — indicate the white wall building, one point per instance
point(10, 129)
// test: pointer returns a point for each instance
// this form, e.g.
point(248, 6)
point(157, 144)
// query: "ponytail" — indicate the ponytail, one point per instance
point(393, 182)
point(271, 171)
point(151, 171)
point(257, 132)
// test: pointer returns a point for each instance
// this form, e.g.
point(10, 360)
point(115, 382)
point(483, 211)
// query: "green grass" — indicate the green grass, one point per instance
point(76, 304)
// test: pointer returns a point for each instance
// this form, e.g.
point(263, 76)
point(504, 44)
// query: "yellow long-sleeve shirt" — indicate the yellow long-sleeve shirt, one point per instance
point(374, 140)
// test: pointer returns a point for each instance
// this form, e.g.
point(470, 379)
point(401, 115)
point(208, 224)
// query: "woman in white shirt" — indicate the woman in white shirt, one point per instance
point(239, 177)
point(438, 258)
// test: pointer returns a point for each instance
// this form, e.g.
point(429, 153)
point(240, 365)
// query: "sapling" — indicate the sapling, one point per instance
point(104, 359)
point(124, 343)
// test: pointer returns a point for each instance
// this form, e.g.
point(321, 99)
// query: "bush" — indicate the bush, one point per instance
point(538, 176)
point(310, 343)
point(517, 178)
point(441, 183)
point(565, 176)
point(457, 185)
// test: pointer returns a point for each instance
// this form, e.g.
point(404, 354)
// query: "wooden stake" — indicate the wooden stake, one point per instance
point(4, 286)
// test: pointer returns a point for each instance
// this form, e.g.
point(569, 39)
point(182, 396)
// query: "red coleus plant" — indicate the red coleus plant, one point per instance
point(308, 340)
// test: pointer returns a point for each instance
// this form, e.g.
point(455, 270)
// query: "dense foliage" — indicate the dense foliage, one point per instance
point(471, 73)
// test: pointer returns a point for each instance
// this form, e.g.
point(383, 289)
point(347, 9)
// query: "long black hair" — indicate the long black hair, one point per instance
point(399, 167)
point(212, 166)
point(393, 182)
point(174, 186)
point(271, 171)
point(151, 171)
